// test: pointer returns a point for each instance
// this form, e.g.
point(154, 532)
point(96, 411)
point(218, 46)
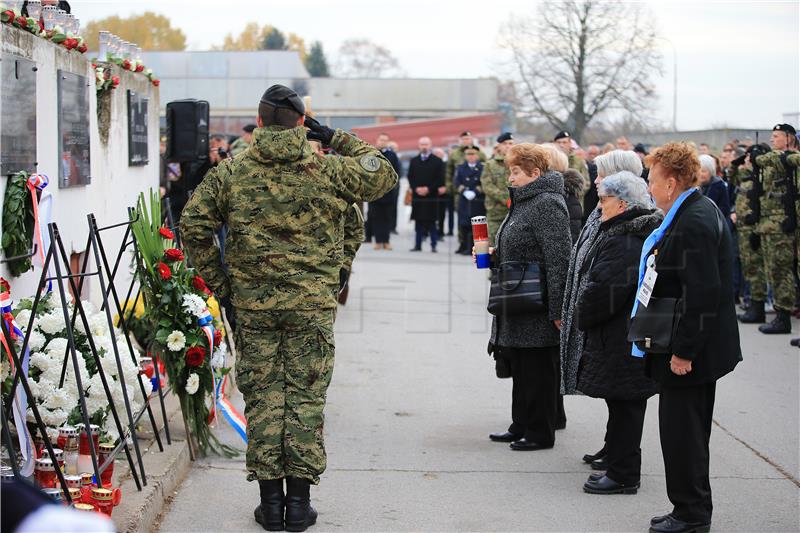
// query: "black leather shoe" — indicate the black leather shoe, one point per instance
point(600, 464)
point(415, 249)
point(594, 476)
point(754, 314)
point(670, 524)
point(589, 458)
point(299, 513)
point(658, 519)
point(525, 445)
point(505, 437)
point(781, 324)
point(795, 343)
point(606, 485)
point(433, 250)
point(270, 513)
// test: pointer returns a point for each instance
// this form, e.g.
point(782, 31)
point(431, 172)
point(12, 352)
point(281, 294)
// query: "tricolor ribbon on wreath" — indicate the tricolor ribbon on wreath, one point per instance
point(20, 405)
point(42, 215)
point(221, 403)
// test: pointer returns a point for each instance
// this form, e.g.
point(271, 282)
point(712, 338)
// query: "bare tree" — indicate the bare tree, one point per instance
point(576, 60)
point(361, 58)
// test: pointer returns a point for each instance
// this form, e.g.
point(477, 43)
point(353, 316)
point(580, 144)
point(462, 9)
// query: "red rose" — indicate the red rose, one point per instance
point(195, 356)
point(164, 271)
point(126, 64)
point(139, 68)
point(217, 337)
point(8, 16)
point(83, 48)
point(166, 233)
point(115, 80)
point(156, 83)
point(199, 284)
point(173, 254)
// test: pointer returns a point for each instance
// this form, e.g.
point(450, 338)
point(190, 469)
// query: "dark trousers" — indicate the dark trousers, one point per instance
point(623, 440)
point(684, 422)
point(446, 208)
point(380, 217)
point(465, 240)
point(534, 394)
point(424, 228)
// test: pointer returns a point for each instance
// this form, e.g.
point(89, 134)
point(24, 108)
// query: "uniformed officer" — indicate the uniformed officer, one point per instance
point(564, 140)
point(778, 226)
point(284, 207)
point(455, 158)
point(494, 181)
point(240, 145)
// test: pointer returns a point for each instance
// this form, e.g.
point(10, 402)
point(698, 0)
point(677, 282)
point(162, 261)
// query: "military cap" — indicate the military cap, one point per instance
point(640, 148)
point(787, 128)
point(249, 128)
point(562, 135)
point(284, 97)
point(503, 137)
point(471, 148)
point(465, 134)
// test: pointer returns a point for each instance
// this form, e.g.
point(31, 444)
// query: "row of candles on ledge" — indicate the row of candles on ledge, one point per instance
point(51, 16)
point(112, 46)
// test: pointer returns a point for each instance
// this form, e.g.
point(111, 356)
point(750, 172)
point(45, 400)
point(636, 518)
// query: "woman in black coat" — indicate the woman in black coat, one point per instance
point(606, 368)
point(693, 257)
point(535, 230)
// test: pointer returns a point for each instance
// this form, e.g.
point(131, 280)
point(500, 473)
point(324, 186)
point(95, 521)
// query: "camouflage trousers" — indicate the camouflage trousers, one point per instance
point(753, 264)
point(494, 223)
point(779, 252)
point(284, 369)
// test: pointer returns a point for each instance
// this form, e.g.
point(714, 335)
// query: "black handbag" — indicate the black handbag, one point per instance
point(518, 288)
point(653, 327)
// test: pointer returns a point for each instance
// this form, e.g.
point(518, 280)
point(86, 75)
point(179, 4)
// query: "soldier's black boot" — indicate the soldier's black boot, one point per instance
point(299, 513)
point(781, 324)
point(270, 513)
point(754, 314)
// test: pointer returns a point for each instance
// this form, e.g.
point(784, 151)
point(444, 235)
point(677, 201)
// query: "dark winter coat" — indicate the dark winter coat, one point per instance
point(573, 188)
point(590, 199)
point(717, 191)
point(695, 264)
point(536, 229)
point(607, 369)
point(469, 179)
point(430, 174)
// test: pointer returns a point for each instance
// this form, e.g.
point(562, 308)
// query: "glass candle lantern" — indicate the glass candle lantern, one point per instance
point(73, 482)
point(76, 24)
point(75, 494)
point(35, 9)
point(61, 18)
point(86, 507)
point(104, 43)
point(59, 456)
point(87, 484)
point(66, 433)
point(49, 17)
point(101, 499)
point(45, 473)
point(106, 451)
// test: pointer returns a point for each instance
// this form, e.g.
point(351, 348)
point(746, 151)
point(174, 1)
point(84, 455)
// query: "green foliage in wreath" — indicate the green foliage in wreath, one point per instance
point(18, 223)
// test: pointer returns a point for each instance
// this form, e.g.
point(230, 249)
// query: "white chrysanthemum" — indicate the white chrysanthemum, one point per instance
point(22, 318)
point(61, 399)
point(57, 347)
point(4, 369)
point(98, 324)
point(88, 307)
point(54, 418)
point(194, 305)
point(52, 323)
point(52, 433)
point(40, 360)
point(110, 429)
point(176, 341)
point(193, 383)
point(36, 341)
point(218, 358)
point(148, 385)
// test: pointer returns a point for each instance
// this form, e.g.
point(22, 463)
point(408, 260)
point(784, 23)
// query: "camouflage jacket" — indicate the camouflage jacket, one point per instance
point(352, 235)
point(774, 187)
point(494, 181)
point(238, 146)
point(580, 165)
point(455, 158)
point(284, 207)
point(743, 186)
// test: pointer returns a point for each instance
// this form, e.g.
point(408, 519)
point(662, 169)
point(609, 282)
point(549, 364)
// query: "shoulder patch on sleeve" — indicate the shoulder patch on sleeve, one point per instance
point(370, 163)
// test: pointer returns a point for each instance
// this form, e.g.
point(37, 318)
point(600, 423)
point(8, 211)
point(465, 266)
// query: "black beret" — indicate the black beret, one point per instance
point(284, 97)
point(249, 128)
point(466, 134)
point(472, 147)
point(640, 148)
point(503, 137)
point(562, 135)
point(786, 128)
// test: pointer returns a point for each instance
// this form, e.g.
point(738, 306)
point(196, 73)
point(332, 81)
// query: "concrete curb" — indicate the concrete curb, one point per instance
point(139, 511)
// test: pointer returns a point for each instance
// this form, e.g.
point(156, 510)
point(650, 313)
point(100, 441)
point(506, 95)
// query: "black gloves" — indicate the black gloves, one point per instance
point(344, 277)
point(318, 132)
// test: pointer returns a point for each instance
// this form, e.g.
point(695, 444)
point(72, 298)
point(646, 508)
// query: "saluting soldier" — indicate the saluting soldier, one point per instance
point(284, 207)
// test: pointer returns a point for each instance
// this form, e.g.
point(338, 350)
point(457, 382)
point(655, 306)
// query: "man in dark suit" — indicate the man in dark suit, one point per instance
point(379, 223)
point(426, 180)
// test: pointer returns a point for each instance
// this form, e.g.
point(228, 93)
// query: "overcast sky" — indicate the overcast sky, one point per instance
point(738, 62)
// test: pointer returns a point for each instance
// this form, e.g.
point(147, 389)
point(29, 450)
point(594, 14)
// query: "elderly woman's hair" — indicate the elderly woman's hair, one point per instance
point(617, 161)
point(707, 162)
point(527, 156)
point(556, 158)
point(626, 186)
point(679, 160)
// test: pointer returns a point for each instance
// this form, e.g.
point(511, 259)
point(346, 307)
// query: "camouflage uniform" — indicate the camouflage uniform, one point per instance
point(454, 159)
point(779, 246)
point(494, 182)
point(353, 235)
point(284, 207)
point(238, 146)
point(750, 249)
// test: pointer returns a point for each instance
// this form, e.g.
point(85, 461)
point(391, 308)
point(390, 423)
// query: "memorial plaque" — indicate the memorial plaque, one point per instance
point(137, 129)
point(73, 129)
point(17, 115)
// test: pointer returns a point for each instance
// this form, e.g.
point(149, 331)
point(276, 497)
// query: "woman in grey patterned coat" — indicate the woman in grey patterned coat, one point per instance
point(535, 230)
point(572, 339)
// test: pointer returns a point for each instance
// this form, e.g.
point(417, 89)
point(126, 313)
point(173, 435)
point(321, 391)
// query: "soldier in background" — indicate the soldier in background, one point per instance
point(284, 207)
point(240, 145)
point(564, 141)
point(454, 160)
point(494, 182)
point(778, 227)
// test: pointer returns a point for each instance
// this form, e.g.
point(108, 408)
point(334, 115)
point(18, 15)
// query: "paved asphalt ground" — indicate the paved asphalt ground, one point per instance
point(414, 398)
